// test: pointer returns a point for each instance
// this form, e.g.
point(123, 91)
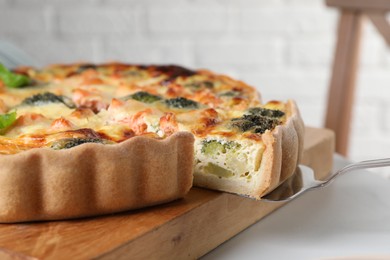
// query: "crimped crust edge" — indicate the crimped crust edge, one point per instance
point(45, 184)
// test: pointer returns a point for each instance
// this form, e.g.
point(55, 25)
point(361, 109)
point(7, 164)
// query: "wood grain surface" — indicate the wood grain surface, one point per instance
point(184, 229)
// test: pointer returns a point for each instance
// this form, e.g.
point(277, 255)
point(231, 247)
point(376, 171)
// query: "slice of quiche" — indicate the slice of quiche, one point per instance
point(252, 151)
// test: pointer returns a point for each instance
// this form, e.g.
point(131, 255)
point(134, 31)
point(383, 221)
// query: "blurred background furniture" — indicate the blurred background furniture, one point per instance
point(343, 80)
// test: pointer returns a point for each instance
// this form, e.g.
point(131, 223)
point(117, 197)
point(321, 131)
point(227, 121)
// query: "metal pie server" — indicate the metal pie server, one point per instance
point(304, 180)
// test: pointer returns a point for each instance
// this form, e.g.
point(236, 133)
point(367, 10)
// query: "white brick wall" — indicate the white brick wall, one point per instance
point(283, 47)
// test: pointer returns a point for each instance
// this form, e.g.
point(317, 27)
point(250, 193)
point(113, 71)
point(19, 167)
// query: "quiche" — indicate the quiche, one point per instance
point(87, 139)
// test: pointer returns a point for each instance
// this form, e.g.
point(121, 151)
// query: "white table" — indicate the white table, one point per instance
point(348, 219)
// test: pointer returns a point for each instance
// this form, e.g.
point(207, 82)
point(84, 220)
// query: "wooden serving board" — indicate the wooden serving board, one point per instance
point(186, 228)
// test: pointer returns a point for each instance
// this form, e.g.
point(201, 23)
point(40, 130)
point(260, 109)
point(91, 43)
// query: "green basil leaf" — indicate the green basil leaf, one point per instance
point(12, 80)
point(7, 119)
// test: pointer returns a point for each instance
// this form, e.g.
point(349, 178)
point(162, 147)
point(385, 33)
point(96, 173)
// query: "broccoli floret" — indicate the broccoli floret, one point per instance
point(85, 67)
point(200, 85)
point(254, 123)
point(181, 102)
point(144, 97)
point(232, 93)
point(265, 112)
point(210, 147)
point(47, 98)
point(67, 143)
point(258, 120)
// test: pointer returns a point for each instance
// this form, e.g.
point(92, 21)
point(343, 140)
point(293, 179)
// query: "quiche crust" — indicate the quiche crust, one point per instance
point(282, 154)
point(94, 179)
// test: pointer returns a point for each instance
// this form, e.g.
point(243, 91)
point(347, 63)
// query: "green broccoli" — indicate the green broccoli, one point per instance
point(258, 120)
point(181, 102)
point(67, 143)
point(210, 147)
point(144, 97)
point(232, 93)
point(254, 123)
point(265, 112)
point(87, 66)
point(200, 85)
point(47, 98)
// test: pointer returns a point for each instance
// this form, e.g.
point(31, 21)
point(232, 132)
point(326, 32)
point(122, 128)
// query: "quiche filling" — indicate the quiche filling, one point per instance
point(63, 106)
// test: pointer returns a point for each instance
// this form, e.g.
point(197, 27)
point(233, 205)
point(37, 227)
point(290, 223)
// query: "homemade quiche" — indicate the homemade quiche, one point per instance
point(85, 139)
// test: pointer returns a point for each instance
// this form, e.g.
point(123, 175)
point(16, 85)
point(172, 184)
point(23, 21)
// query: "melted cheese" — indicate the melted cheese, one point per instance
point(50, 111)
point(98, 92)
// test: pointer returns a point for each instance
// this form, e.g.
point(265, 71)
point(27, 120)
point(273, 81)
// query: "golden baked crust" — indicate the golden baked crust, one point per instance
point(93, 179)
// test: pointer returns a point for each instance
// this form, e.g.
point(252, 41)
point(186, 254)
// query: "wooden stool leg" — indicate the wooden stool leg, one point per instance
point(342, 86)
point(381, 23)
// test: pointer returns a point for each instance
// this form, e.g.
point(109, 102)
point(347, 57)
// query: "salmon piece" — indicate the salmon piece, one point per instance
point(206, 97)
point(82, 113)
point(137, 121)
point(175, 90)
point(88, 99)
point(29, 119)
point(168, 124)
point(61, 123)
point(3, 107)
point(91, 77)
